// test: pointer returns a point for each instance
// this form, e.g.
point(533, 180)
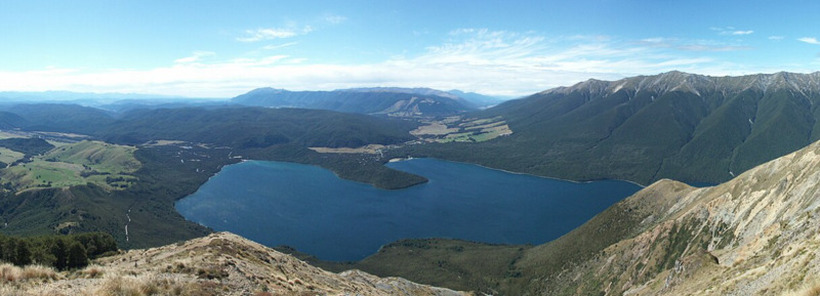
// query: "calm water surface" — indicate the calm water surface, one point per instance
point(309, 208)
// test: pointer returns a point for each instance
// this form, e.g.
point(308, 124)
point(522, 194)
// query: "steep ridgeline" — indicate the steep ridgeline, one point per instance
point(395, 102)
point(674, 125)
point(219, 264)
point(756, 234)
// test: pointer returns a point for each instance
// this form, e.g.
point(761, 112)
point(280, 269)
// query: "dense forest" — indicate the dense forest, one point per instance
point(59, 251)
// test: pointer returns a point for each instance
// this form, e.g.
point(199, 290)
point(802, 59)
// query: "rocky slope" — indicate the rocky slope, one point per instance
point(219, 264)
point(758, 234)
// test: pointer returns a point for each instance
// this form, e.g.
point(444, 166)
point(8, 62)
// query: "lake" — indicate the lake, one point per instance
point(311, 209)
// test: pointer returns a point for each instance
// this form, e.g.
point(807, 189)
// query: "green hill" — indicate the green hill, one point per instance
point(106, 165)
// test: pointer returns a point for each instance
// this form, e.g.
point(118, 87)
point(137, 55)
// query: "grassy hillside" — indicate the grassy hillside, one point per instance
point(106, 165)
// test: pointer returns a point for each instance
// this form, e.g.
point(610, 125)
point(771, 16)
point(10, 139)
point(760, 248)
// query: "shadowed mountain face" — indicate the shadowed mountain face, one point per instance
point(396, 102)
point(674, 125)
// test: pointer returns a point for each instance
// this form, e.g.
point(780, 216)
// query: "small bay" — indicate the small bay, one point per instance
point(314, 211)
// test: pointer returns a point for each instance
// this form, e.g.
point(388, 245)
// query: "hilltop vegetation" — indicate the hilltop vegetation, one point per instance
point(58, 251)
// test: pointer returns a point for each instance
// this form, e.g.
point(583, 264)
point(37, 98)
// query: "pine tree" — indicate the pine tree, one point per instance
point(77, 257)
point(23, 253)
point(59, 250)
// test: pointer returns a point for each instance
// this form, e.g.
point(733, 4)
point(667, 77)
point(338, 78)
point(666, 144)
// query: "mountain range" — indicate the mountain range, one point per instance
point(389, 101)
point(676, 125)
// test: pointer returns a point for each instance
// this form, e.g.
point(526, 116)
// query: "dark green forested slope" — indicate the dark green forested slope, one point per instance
point(674, 125)
point(254, 127)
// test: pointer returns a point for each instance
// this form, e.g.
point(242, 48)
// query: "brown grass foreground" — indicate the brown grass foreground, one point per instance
point(219, 264)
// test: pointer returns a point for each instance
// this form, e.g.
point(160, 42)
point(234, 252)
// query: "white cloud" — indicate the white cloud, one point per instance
point(776, 38)
point(731, 31)
point(195, 57)
point(747, 32)
point(273, 33)
point(480, 60)
point(809, 40)
point(278, 46)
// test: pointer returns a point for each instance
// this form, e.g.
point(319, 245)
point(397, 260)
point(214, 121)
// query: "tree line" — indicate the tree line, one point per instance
point(59, 251)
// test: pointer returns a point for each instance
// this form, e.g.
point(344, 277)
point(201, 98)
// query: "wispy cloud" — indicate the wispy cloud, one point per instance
point(335, 19)
point(273, 33)
point(731, 31)
point(278, 46)
point(195, 57)
point(809, 40)
point(776, 38)
point(692, 45)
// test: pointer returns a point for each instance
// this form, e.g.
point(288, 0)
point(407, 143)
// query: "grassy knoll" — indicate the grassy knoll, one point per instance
point(9, 156)
point(106, 165)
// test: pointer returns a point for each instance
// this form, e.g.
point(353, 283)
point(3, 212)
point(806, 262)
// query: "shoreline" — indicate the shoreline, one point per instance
point(520, 173)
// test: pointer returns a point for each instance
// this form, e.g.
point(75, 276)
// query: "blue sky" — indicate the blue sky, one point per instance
point(225, 48)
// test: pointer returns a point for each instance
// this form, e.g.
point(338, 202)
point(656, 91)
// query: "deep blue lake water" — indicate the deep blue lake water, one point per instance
point(312, 210)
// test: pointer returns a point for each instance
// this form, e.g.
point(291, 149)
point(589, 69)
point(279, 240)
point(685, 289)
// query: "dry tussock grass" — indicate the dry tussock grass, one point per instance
point(812, 289)
point(150, 284)
point(10, 273)
point(93, 271)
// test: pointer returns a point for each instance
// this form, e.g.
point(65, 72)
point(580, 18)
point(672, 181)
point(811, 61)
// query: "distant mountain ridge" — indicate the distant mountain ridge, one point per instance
point(389, 101)
point(680, 81)
point(676, 125)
